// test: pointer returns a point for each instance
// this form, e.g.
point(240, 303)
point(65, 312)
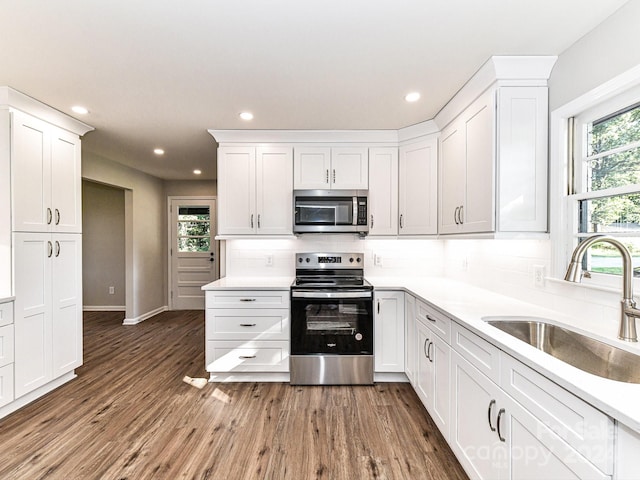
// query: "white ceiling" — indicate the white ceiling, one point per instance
point(159, 73)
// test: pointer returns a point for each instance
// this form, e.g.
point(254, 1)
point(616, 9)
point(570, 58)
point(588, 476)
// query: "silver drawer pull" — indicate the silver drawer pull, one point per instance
point(246, 357)
point(431, 319)
point(247, 324)
point(247, 299)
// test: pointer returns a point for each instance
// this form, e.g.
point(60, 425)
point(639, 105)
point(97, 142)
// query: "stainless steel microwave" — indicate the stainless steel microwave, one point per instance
point(330, 211)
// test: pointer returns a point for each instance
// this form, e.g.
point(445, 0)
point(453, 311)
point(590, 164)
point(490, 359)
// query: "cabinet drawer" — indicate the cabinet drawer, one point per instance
point(247, 324)
point(6, 313)
point(247, 299)
point(6, 384)
point(6, 345)
point(477, 351)
point(435, 320)
point(257, 356)
point(580, 425)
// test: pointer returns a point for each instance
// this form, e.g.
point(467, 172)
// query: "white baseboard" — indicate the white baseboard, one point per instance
point(396, 377)
point(37, 393)
point(144, 316)
point(103, 308)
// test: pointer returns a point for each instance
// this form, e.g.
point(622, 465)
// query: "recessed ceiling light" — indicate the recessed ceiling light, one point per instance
point(158, 151)
point(79, 110)
point(197, 172)
point(412, 97)
point(246, 116)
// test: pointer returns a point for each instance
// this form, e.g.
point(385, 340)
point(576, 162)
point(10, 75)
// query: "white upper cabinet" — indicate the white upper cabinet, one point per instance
point(344, 168)
point(255, 190)
point(493, 150)
point(418, 188)
point(45, 162)
point(383, 191)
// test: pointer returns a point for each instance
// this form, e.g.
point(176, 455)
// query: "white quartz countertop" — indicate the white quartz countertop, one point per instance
point(7, 299)
point(252, 283)
point(468, 304)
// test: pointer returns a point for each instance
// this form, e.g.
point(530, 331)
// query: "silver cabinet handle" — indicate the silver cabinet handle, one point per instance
point(57, 248)
point(460, 214)
point(378, 306)
point(258, 220)
point(57, 216)
point(430, 318)
point(246, 357)
point(372, 220)
point(247, 324)
point(247, 299)
point(49, 216)
point(49, 249)
point(429, 352)
point(401, 224)
point(334, 175)
point(500, 413)
point(424, 347)
point(327, 176)
point(252, 220)
point(491, 404)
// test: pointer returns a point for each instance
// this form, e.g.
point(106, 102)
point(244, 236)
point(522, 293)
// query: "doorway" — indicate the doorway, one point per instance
point(193, 252)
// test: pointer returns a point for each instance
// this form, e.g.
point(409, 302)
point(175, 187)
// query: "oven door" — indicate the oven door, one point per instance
point(331, 322)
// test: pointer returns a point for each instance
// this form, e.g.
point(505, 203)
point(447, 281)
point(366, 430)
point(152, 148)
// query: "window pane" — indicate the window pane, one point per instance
point(191, 244)
point(613, 131)
point(615, 214)
point(605, 258)
point(194, 228)
point(614, 170)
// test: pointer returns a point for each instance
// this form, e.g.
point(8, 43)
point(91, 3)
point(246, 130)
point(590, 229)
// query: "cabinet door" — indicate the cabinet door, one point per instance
point(274, 190)
point(418, 192)
point(66, 303)
point(452, 178)
point(476, 403)
point(30, 169)
point(349, 168)
point(311, 168)
point(236, 190)
point(32, 253)
point(389, 332)
point(424, 371)
point(383, 191)
point(478, 213)
point(410, 338)
point(440, 357)
point(66, 182)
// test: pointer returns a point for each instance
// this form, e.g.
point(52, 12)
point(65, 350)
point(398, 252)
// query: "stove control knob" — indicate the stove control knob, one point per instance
point(300, 260)
point(307, 259)
point(359, 259)
point(351, 260)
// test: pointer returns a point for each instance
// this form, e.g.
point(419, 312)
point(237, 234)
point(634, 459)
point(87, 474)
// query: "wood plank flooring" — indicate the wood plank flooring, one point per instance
point(129, 415)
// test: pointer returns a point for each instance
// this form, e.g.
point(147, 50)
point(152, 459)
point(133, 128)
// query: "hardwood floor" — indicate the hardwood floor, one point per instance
point(130, 415)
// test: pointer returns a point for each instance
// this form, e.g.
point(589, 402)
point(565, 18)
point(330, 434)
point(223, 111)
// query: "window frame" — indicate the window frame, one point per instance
point(568, 129)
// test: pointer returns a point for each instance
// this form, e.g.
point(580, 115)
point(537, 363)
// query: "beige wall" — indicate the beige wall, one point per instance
point(608, 50)
point(190, 188)
point(145, 232)
point(103, 245)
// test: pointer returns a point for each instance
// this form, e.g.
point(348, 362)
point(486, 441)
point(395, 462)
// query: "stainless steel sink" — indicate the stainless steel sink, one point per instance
point(572, 347)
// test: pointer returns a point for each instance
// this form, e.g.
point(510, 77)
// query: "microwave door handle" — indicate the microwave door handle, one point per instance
point(355, 211)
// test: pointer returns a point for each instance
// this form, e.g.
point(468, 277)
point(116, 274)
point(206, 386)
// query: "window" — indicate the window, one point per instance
point(605, 192)
point(194, 229)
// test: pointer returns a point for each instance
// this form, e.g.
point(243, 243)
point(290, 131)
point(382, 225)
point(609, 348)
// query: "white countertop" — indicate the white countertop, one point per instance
point(7, 299)
point(468, 304)
point(253, 283)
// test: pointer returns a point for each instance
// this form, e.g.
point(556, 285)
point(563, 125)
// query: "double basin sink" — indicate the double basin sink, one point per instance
point(580, 351)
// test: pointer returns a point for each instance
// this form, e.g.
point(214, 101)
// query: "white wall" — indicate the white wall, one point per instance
point(146, 232)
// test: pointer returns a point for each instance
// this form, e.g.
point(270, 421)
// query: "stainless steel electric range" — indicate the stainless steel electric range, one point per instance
point(331, 321)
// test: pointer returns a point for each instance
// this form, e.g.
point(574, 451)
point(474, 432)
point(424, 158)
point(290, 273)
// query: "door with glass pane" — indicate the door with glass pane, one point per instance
point(192, 250)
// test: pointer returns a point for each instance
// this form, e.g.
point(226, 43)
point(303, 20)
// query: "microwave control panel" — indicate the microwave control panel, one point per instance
point(362, 211)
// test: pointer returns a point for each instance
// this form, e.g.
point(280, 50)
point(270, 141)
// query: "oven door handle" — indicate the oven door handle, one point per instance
point(316, 294)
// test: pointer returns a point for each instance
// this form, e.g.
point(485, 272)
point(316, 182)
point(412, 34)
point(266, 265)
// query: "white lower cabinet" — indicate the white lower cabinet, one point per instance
point(410, 338)
point(389, 331)
point(247, 331)
point(495, 436)
point(433, 373)
point(48, 308)
point(6, 353)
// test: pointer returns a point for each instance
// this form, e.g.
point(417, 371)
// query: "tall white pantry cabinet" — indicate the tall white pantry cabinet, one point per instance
point(40, 150)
